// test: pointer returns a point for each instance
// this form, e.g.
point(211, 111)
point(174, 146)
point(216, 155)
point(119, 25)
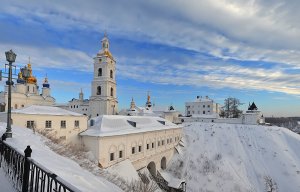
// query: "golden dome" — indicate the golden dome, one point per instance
point(106, 53)
point(31, 79)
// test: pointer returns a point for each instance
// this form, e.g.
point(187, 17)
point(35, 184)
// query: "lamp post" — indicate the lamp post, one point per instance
point(10, 57)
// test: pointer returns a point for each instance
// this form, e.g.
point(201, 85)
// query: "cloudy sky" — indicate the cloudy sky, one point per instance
point(176, 49)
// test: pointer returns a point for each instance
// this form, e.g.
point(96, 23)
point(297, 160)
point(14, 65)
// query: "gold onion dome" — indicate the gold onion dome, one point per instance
point(31, 79)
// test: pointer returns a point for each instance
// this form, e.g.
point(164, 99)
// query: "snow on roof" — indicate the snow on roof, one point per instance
point(45, 110)
point(109, 125)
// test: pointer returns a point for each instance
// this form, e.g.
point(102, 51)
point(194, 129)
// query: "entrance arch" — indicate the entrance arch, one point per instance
point(152, 168)
point(163, 163)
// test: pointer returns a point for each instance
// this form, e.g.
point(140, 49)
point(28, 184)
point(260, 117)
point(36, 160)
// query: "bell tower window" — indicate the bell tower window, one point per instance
point(99, 72)
point(98, 90)
point(111, 74)
point(111, 91)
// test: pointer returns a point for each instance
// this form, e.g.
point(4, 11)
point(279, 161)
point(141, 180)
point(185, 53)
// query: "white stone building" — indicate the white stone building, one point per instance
point(55, 122)
point(26, 92)
point(168, 113)
point(146, 141)
point(103, 99)
point(202, 107)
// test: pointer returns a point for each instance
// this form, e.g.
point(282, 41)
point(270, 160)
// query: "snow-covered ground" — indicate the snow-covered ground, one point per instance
point(5, 184)
point(224, 157)
point(64, 167)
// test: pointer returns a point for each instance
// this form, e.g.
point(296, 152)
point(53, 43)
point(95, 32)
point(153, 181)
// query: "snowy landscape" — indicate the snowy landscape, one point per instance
point(216, 157)
point(224, 157)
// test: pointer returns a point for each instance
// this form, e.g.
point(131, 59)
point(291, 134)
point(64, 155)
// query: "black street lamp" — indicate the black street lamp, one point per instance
point(10, 57)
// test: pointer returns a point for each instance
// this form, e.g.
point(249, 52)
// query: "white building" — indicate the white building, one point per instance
point(146, 141)
point(103, 99)
point(54, 122)
point(168, 113)
point(26, 92)
point(251, 117)
point(202, 107)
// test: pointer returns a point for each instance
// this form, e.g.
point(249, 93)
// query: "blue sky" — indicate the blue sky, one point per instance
point(175, 49)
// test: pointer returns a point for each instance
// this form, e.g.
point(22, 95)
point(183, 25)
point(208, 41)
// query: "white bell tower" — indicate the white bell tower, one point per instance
point(103, 100)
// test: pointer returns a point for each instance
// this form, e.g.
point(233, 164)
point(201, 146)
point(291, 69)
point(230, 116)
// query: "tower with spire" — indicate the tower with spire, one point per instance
point(103, 99)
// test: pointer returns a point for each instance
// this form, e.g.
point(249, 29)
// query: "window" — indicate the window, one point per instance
point(48, 124)
point(133, 150)
point(162, 142)
point(16, 106)
point(112, 156)
point(111, 74)
point(98, 90)
point(30, 124)
point(170, 140)
point(111, 91)
point(148, 146)
point(62, 137)
point(158, 143)
point(208, 106)
point(99, 72)
point(28, 88)
point(120, 154)
point(140, 148)
point(203, 112)
point(63, 124)
point(167, 141)
point(152, 145)
point(76, 124)
point(22, 105)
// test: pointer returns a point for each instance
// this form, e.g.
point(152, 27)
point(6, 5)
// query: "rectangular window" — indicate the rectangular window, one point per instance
point(62, 124)
point(30, 124)
point(167, 141)
point(76, 124)
point(158, 143)
point(148, 146)
point(152, 145)
point(203, 112)
point(133, 150)
point(208, 106)
point(120, 154)
point(112, 156)
point(48, 124)
point(170, 140)
point(162, 142)
point(140, 148)
point(203, 106)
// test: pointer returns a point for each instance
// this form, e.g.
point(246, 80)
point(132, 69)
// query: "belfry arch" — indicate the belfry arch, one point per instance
point(163, 163)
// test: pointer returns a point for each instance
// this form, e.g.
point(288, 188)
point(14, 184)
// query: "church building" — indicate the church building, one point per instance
point(26, 91)
point(103, 99)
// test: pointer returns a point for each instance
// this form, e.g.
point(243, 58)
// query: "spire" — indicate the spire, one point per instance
point(148, 103)
point(46, 84)
point(132, 104)
point(81, 94)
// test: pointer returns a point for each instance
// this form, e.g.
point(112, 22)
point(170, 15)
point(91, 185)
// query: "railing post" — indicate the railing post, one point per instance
point(27, 152)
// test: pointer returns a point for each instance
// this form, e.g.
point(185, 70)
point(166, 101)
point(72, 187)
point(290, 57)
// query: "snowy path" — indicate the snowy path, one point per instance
point(5, 185)
point(64, 167)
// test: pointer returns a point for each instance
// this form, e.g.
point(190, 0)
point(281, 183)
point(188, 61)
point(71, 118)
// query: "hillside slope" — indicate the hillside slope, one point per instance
point(224, 157)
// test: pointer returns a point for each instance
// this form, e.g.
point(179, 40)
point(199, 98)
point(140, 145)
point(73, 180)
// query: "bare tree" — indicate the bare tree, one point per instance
point(271, 185)
point(230, 108)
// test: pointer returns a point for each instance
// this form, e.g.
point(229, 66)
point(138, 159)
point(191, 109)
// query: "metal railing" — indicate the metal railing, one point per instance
point(28, 175)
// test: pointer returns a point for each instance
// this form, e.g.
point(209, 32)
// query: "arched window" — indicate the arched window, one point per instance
point(111, 74)
point(100, 72)
point(111, 91)
point(98, 90)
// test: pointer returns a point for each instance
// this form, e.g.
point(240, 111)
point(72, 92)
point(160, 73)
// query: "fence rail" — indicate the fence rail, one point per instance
point(27, 174)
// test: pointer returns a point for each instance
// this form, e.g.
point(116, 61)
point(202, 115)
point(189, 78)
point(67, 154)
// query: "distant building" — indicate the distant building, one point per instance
point(202, 107)
point(55, 122)
point(146, 141)
point(26, 92)
point(251, 117)
point(168, 113)
point(103, 99)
